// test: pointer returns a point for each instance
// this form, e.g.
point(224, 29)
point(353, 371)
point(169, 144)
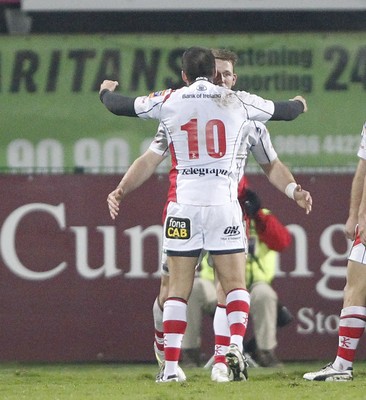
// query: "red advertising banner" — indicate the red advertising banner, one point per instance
point(77, 286)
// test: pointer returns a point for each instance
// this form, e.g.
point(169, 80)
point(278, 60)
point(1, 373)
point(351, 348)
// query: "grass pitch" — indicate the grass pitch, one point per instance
point(122, 381)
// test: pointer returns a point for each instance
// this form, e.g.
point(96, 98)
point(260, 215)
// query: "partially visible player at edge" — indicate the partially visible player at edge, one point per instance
point(353, 315)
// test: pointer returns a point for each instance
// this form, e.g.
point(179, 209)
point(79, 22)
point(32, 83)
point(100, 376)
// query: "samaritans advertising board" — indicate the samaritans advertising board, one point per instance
point(52, 118)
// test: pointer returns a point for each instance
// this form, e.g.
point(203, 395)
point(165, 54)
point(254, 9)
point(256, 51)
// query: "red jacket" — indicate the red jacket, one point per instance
point(268, 227)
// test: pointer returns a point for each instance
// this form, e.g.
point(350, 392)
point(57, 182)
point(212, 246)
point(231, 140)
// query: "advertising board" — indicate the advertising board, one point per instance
point(77, 286)
point(53, 121)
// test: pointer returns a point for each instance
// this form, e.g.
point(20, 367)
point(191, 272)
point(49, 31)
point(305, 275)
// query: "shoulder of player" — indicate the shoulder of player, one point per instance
point(152, 99)
point(157, 96)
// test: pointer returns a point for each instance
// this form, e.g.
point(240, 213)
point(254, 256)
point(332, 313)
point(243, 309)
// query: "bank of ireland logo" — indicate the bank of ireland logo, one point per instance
point(178, 228)
point(201, 87)
point(232, 230)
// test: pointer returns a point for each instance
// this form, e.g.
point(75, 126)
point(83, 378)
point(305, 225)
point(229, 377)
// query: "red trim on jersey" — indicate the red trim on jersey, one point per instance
point(168, 95)
point(172, 192)
point(243, 184)
point(357, 240)
point(164, 211)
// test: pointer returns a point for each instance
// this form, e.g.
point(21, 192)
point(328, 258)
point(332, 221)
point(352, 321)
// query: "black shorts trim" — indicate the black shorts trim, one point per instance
point(190, 253)
point(221, 252)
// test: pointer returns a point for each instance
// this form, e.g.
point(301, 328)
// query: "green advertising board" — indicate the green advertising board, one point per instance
point(52, 119)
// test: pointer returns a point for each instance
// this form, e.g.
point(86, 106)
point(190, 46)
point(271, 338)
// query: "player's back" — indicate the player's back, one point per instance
point(203, 123)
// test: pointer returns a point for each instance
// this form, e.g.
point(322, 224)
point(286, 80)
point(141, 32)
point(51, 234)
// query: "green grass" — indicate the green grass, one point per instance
point(121, 381)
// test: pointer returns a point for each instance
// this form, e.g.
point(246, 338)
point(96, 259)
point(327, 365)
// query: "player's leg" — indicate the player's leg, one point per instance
point(220, 371)
point(353, 316)
point(225, 240)
point(229, 269)
point(351, 327)
point(201, 301)
point(183, 245)
point(230, 272)
point(158, 310)
point(158, 319)
point(181, 271)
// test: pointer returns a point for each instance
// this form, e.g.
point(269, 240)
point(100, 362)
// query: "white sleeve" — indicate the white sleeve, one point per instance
point(148, 107)
point(160, 143)
point(263, 150)
point(362, 149)
point(257, 108)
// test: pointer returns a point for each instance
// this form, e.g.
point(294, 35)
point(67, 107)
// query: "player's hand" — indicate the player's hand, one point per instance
point(303, 101)
point(350, 228)
point(113, 200)
point(303, 198)
point(110, 85)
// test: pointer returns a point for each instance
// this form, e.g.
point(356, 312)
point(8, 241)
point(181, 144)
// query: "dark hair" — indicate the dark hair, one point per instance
point(198, 61)
point(226, 55)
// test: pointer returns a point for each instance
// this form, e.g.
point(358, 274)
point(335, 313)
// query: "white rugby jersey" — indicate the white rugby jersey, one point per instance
point(204, 127)
point(256, 140)
point(362, 149)
point(159, 145)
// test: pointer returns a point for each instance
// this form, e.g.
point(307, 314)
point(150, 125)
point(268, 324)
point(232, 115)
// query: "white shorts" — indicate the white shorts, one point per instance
point(358, 251)
point(188, 229)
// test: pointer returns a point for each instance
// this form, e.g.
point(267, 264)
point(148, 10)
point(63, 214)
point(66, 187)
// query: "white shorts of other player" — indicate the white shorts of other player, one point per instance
point(358, 251)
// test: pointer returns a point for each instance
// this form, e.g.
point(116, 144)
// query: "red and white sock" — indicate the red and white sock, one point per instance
point(158, 326)
point(237, 310)
point(175, 323)
point(222, 334)
point(351, 327)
